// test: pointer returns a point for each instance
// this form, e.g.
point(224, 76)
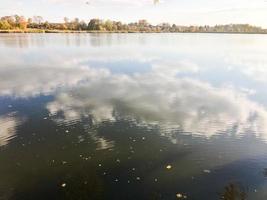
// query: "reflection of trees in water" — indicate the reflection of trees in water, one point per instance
point(233, 192)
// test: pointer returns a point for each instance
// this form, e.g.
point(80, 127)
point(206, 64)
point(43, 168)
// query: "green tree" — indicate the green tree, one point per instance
point(83, 25)
point(76, 24)
point(108, 25)
point(95, 24)
point(46, 25)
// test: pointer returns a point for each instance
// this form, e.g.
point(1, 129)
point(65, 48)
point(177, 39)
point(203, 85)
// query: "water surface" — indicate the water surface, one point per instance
point(133, 116)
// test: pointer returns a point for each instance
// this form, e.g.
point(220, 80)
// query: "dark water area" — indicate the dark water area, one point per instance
point(133, 116)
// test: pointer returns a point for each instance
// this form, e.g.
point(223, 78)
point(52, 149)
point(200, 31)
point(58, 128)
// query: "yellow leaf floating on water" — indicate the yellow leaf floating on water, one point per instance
point(168, 167)
point(181, 196)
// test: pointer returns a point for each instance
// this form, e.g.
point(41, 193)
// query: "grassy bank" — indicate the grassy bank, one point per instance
point(72, 31)
point(64, 31)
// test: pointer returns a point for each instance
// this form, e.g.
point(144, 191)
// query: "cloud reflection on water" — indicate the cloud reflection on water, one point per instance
point(160, 98)
point(8, 124)
point(27, 82)
point(156, 97)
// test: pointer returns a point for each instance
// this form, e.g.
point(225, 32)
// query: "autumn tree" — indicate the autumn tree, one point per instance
point(22, 22)
point(4, 25)
point(10, 20)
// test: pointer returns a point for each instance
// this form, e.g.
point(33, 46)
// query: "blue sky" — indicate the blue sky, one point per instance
point(184, 12)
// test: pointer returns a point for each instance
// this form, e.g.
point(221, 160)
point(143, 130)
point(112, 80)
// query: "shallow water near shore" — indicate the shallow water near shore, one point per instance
point(133, 116)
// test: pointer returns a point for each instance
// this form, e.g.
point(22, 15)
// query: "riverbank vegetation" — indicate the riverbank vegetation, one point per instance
point(36, 24)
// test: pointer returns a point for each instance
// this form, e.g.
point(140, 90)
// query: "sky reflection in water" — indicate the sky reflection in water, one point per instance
point(199, 100)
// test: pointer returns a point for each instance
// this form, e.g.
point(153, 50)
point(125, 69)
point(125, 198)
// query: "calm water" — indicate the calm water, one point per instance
point(133, 116)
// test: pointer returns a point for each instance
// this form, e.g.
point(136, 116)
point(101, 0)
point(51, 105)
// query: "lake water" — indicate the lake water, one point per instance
point(133, 116)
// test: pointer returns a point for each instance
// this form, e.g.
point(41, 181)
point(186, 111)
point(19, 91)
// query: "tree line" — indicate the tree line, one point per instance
point(16, 22)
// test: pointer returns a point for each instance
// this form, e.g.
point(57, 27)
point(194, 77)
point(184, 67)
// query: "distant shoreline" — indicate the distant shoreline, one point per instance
point(20, 24)
point(90, 31)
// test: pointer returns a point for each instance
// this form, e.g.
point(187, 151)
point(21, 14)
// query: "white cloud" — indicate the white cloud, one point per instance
point(120, 3)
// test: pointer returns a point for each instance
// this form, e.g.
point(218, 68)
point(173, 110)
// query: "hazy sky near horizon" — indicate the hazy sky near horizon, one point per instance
point(184, 12)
